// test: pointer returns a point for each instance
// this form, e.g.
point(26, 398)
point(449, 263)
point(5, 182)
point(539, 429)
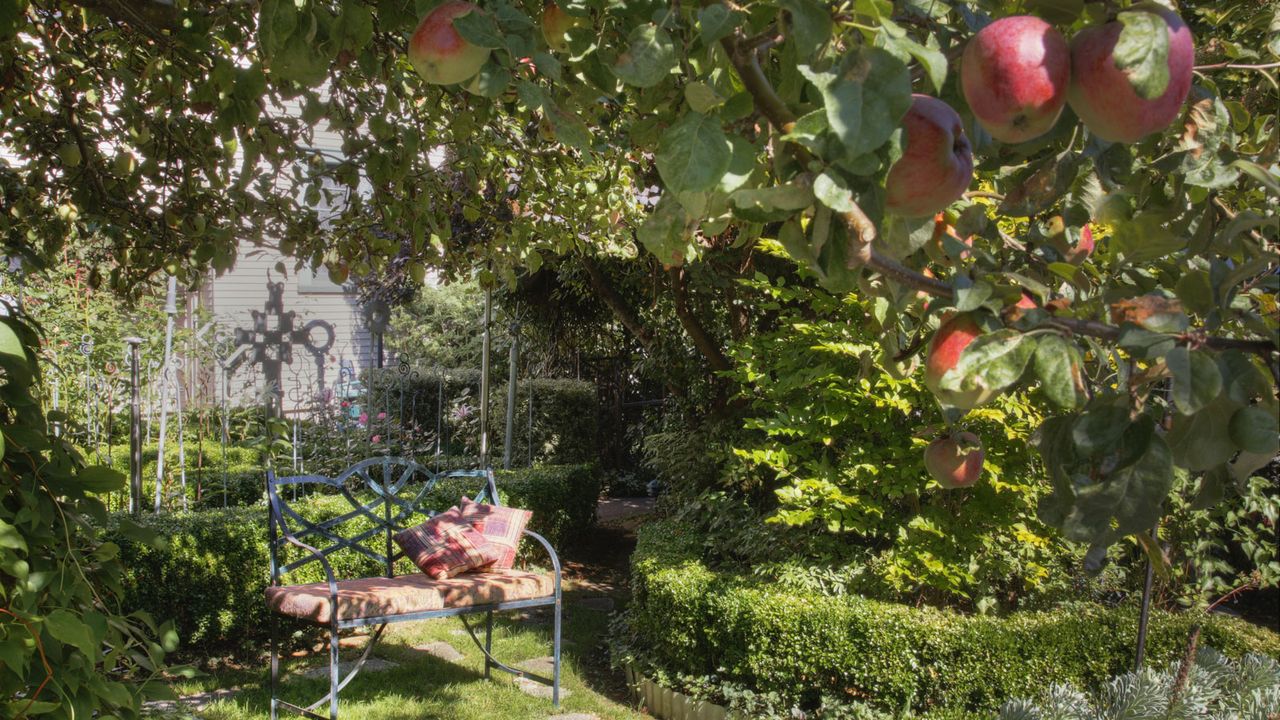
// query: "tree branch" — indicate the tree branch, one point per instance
point(697, 332)
point(1236, 66)
point(863, 232)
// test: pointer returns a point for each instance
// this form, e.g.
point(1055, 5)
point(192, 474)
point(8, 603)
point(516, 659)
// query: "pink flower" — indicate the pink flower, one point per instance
point(382, 416)
point(376, 438)
point(346, 404)
point(364, 417)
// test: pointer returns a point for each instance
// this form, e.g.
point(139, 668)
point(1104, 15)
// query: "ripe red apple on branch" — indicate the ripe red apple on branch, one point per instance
point(937, 165)
point(438, 53)
point(955, 461)
point(1014, 74)
point(953, 336)
point(1102, 94)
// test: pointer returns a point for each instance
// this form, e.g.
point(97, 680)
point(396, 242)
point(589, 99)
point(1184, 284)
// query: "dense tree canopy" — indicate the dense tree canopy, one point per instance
point(1133, 283)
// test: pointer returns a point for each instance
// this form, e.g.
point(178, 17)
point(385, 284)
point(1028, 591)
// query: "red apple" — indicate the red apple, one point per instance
point(936, 249)
point(937, 165)
point(1014, 74)
point(1083, 248)
point(556, 24)
point(436, 50)
point(952, 337)
point(1101, 94)
point(955, 461)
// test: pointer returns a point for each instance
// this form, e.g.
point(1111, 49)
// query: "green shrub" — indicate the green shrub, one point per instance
point(686, 618)
point(210, 576)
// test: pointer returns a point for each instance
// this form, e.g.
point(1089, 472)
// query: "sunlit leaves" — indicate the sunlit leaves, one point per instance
point(1058, 366)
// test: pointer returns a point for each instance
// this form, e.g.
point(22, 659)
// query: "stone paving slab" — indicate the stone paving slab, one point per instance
point(192, 703)
point(574, 716)
point(373, 664)
point(442, 650)
point(538, 690)
point(540, 666)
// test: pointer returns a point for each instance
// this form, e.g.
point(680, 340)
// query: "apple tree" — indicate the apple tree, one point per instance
point(1075, 199)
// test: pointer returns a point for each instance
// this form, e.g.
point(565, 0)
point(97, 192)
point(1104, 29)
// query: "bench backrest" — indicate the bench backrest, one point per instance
point(388, 492)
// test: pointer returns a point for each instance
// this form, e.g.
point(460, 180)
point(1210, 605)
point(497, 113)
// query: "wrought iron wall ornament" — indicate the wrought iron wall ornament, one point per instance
point(271, 340)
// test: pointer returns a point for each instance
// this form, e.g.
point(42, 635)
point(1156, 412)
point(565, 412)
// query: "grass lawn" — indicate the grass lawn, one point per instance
point(424, 686)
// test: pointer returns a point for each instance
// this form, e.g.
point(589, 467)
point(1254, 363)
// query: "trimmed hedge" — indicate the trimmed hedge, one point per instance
point(688, 619)
point(209, 576)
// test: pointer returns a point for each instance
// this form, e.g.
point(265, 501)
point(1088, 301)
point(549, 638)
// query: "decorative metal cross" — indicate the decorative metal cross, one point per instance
point(270, 344)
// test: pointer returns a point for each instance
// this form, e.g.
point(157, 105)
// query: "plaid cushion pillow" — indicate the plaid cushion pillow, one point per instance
point(447, 545)
point(501, 526)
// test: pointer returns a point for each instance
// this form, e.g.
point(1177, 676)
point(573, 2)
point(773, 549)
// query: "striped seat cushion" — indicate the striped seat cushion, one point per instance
point(383, 597)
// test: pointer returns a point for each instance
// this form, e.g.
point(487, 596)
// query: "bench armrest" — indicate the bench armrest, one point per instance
point(316, 555)
point(551, 552)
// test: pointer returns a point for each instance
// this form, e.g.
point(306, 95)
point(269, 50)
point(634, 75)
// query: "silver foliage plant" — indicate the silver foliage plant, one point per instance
point(1215, 688)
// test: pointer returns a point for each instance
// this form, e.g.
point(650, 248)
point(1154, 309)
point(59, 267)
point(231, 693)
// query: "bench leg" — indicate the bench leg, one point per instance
point(555, 659)
point(333, 671)
point(275, 666)
point(488, 643)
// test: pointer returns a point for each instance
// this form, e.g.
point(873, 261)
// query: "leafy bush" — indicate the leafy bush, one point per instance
point(1212, 686)
point(209, 577)
point(688, 618)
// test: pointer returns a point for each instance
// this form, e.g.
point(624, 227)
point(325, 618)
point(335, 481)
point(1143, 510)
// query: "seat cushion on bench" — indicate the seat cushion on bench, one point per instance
point(380, 596)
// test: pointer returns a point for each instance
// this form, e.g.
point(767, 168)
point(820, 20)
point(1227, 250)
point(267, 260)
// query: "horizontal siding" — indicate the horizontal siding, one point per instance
point(234, 296)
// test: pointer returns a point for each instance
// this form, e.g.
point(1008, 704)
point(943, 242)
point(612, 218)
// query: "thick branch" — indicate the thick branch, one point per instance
point(701, 338)
point(616, 303)
point(863, 232)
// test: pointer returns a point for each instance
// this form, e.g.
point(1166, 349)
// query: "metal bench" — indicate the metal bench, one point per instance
point(398, 487)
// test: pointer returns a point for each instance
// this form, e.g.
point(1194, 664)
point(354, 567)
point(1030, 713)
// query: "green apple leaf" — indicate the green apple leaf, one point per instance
point(1146, 237)
point(993, 361)
point(693, 154)
point(649, 57)
point(1128, 500)
point(1196, 379)
point(717, 21)
point(1254, 430)
point(1142, 52)
point(866, 99)
point(809, 27)
point(1203, 440)
point(1057, 366)
point(479, 29)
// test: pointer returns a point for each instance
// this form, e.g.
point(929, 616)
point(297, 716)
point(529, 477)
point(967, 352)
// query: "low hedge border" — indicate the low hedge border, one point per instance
point(686, 619)
point(209, 573)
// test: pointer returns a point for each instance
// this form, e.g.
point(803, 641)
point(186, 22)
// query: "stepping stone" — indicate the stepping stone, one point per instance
point(373, 664)
point(194, 703)
point(354, 641)
point(442, 650)
point(540, 666)
point(538, 690)
point(603, 604)
point(574, 716)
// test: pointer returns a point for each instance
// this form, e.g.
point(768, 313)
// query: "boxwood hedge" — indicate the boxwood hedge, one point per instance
point(210, 570)
point(691, 620)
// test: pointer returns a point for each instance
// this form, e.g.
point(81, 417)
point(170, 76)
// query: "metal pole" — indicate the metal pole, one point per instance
point(484, 380)
point(511, 397)
point(166, 374)
point(135, 429)
point(1145, 614)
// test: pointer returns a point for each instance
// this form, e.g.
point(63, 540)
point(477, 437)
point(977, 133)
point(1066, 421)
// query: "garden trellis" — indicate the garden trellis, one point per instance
point(207, 399)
